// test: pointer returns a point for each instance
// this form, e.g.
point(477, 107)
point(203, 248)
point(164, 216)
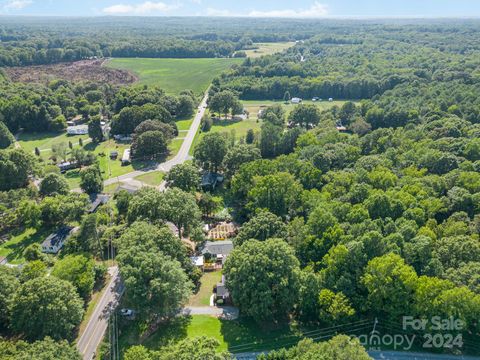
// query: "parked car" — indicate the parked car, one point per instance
point(126, 312)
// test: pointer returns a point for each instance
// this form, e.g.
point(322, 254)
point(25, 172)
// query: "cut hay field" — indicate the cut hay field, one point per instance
point(174, 75)
point(262, 49)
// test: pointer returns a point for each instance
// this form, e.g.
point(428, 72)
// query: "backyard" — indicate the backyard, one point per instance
point(13, 248)
point(208, 281)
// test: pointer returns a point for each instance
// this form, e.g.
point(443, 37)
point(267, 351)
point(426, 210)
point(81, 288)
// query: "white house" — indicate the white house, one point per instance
point(54, 242)
point(296, 100)
point(77, 130)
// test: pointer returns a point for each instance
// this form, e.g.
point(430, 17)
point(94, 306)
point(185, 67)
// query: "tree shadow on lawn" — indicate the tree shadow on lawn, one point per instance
point(18, 248)
point(225, 122)
point(29, 136)
point(246, 335)
point(173, 330)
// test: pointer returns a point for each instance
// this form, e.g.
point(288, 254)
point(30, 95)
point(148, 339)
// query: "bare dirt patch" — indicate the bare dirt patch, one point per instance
point(89, 70)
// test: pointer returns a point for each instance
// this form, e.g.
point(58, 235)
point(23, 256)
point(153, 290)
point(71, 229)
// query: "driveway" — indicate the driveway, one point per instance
point(224, 312)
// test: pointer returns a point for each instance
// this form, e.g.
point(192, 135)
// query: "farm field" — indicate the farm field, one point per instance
point(268, 49)
point(174, 75)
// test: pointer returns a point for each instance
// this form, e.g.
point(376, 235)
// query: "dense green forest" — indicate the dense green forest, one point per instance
point(370, 210)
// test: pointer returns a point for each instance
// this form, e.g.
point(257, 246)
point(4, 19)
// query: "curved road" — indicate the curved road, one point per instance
point(181, 156)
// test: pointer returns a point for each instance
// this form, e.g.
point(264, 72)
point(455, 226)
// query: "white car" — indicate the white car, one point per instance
point(126, 312)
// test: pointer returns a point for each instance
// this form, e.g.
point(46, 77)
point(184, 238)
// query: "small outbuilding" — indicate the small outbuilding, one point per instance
point(296, 100)
point(221, 292)
point(67, 165)
point(126, 157)
point(113, 155)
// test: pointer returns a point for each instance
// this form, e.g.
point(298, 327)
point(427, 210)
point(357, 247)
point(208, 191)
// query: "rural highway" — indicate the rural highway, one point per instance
point(93, 334)
point(181, 156)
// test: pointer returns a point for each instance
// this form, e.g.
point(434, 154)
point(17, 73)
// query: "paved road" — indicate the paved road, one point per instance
point(181, 156)
point(224, 312)
point(93, 334)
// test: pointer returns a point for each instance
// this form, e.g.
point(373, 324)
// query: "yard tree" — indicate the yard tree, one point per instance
point(6, 137)
point(61, 209)
point(78, 270)
point(9, 284)
point(279, 115)
point(33, 269)
point(60, 151)
point(130, 117)
point(54, 184)
point(210, 151)
point(33, 252)
point(180, 208)
point(250, 137)
point(199, 348)
point(262, 226)
point(390, 284)
point(185, 106)
point(91, 180)
point(307, 116)
point(122, 200)
point(145, 236)
point(206, 203)
point(184, 176)
point(154, 282)
point(88, 236)
point(168, 130)
point(340, 347)
point(149, 145)
point(467, 274)
point(238, 155)
point(223, 102)
point(334, 308)
point(145, 204)
point(16, 166)
point(278, 193)
point(95, 129)
point(272, 266)
point(46, 306)
point(46, 349)
point(270, 140)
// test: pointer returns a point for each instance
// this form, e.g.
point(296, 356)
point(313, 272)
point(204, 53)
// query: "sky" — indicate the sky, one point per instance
point(249, 8)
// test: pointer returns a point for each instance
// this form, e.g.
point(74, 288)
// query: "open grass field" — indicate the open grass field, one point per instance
point(13, 248)
point(208, 281)
point(235, 336)
point(268, 49)
point(253, 106)
point(174, 75)
point(153, 178)
point(45, 141)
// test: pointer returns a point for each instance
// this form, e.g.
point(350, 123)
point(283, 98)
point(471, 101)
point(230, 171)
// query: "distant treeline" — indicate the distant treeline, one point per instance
point(37, 41)
point(359, 65)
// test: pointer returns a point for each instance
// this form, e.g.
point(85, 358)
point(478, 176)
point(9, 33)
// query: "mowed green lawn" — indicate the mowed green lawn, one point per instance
point(268, 49)
point(253, 106)
point(236, 336)
point(174, 75)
